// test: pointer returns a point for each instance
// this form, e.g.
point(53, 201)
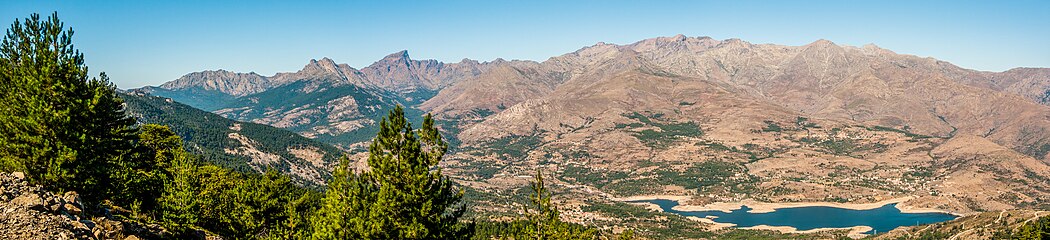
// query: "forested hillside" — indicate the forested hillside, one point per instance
point(339, 114)
point(245, 147)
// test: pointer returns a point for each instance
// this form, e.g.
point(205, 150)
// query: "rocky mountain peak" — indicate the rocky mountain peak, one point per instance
point(468, 61)
point(326, 61)
point(673, 44)
point(324, 65)
point(237, 84)
point(734, 42)
point(823, 49)
point(397, 56)
point(678, 37)
point(822, 43)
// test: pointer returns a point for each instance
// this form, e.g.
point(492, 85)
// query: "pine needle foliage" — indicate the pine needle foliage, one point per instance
point(402, 195)
point(63, 129)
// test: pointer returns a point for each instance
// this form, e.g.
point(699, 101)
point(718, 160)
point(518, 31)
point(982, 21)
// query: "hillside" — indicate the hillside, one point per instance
point(246, 147)
point(726, 121)
point(988, 225)
point(713, 121)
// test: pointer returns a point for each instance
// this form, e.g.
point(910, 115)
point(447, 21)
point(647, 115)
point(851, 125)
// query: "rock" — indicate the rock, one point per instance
point(71, 209)
point(18, 175)
point(35, 213)
point(30, 201)
point(81, 225)
point(98, 233)
point(54, 206)
point(110, 227)
point(72, 198)
point(131, 237)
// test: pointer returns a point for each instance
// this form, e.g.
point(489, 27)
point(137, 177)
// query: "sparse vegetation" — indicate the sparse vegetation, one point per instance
point(772, 127)
point(843, 146)
point(660, 135)
point(515, 147)
point(904, 131)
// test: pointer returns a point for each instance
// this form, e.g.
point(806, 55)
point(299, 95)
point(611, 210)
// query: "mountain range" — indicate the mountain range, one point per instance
point(713, 120)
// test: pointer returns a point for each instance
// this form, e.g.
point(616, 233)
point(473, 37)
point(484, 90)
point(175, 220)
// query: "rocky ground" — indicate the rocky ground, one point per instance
point(30, 212)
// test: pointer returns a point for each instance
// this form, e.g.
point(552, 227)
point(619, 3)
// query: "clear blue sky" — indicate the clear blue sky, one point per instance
point(150, 42)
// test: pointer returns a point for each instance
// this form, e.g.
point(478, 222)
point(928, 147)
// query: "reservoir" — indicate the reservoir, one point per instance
point(880, 219)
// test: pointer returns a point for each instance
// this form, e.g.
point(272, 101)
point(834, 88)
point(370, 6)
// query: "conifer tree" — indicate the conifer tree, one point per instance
point(544, 220)
point(403, 195)
point(178, 203)
point(345, 208)
point(57, 125)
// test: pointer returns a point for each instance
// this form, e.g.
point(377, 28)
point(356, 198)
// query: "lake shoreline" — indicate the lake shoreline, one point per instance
point(765, 207)
point(855, 232)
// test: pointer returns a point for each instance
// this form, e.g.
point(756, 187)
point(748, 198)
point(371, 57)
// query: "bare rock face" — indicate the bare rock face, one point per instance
point(400, 73)
point(1031, 83)
point(236, 84)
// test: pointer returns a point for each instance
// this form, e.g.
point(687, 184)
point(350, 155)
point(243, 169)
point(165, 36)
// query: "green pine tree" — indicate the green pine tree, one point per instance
point(345, 208)
point(139, 177)
point(178, 203)
point(544, 221)
point(58, 126)
point(403, 195)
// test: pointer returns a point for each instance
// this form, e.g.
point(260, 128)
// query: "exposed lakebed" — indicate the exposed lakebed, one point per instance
point(881, 219)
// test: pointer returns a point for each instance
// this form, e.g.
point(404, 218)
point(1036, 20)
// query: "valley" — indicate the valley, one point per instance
point(701, 120)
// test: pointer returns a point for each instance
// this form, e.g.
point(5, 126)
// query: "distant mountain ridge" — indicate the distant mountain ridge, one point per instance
point(331, 114)
point(461, 90)
point(396, 72)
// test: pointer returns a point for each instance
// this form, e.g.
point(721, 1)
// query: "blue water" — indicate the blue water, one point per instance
point(882, 219)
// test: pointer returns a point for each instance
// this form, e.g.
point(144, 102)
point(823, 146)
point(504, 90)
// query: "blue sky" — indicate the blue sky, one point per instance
point(150, 42)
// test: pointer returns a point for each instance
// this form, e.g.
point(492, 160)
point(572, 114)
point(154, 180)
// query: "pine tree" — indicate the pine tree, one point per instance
point(57, 125)
point(544, 220)
point(403, 195)
point(345, 208)
point(179, 204)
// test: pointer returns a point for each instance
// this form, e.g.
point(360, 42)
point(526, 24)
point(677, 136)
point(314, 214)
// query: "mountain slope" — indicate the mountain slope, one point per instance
point(868, 84)
point(710, 120)
point(723, 121)
point(337, 114)
point(246, 147)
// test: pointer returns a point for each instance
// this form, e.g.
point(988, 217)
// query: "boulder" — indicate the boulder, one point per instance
point(72, 197)
point(30, 201)
point(71, 209)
